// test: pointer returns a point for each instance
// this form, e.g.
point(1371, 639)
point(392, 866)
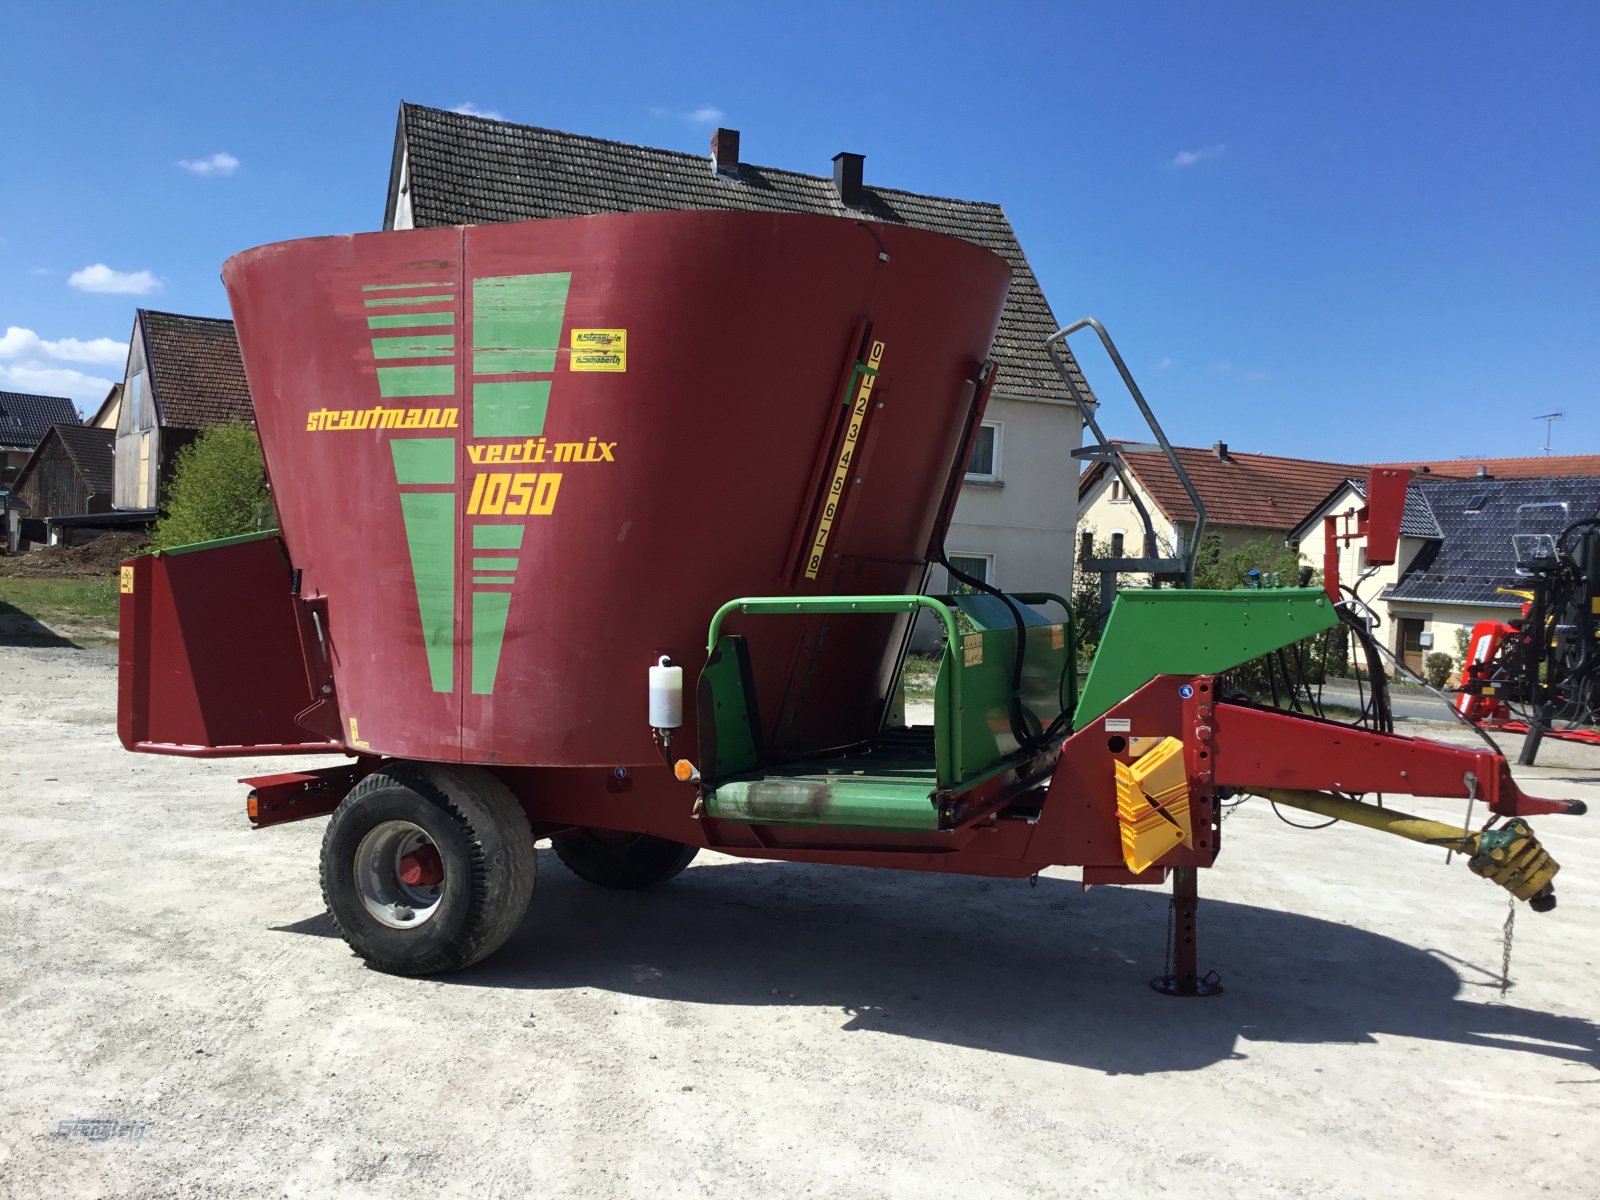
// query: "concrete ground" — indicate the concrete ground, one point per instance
point(764, 1029)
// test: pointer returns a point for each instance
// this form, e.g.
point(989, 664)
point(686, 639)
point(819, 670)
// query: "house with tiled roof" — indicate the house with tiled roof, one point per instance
point(184, 375)
point(24, 420)
point(1247, 497)
point(1014, 520)
point(69, 473)
point(1455, 554)
point(1538, 466)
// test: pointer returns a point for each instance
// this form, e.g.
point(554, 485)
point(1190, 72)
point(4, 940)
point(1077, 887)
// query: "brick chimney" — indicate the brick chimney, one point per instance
point(847, 178)
point(725, 151)
point(1220, 449)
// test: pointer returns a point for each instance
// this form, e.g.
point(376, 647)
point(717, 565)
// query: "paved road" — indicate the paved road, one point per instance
point(764, 1030)
point(1408, 704)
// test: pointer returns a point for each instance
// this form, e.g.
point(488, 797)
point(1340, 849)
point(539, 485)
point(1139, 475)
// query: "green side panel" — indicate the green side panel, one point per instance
point(1173, 632)
point(424, 460)
point(397, 382)
point(972, 699)
point(721, 688)
point(395, 301)
point(430, 531)
point(497, 580)
point(488, 635)
point(849, 802)
point(215, 542)
point(494, 564)
point(410, 320)
point(415, 345)
point(497, 537)
point(512, 409)
point(516, 322)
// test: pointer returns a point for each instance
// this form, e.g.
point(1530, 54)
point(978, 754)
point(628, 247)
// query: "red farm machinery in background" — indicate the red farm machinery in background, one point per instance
point(1535, 674)
point(612, 531)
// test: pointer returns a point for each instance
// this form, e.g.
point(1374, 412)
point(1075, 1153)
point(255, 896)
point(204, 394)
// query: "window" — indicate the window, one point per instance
point(1119, 493)
point(1475, 505)
point(133, 397)
point(985, 461)
point(979, 566)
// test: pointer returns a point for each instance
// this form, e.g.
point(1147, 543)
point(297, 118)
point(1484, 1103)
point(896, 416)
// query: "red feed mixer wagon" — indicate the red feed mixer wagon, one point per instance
point(611, 531)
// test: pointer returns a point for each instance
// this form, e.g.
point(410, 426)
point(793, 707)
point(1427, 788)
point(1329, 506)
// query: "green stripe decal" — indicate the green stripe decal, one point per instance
point(430, 532)
point(393, 301)
point(400, 287)
point(424, 460)
point(502, 580)
point(408, 320)
point(512, 409)
point(488, 633)
point(415, 345)
point(497, 537)
point(396, 382)
point(494, 564)
point(516, 322)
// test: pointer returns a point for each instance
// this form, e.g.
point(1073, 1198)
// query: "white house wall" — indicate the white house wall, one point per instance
point(1103, 516)
point(1027, 520)
point(137, 454)
point(402, 202)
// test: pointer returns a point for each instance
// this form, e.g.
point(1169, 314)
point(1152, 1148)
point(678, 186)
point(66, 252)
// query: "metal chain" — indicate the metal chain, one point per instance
point(1506, 932)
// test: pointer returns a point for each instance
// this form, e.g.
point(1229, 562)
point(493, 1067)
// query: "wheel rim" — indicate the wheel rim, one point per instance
point(399, 874)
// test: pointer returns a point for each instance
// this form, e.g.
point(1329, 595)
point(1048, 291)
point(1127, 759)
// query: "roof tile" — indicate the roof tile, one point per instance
point(1258, 491)
point(1478, 517)
point(466, 170)
point(196, 373)
point(26, 418)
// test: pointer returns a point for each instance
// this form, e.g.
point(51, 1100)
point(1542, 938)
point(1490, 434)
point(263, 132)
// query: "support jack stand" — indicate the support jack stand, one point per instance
point(1186, 979)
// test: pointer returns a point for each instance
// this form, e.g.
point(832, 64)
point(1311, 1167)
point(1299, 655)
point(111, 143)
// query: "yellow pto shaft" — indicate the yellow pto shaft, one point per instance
point(1510, 856)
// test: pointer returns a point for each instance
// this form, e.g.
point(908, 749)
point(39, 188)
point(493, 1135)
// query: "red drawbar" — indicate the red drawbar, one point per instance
point(1264, 748)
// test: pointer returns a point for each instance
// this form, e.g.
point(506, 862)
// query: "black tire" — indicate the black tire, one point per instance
point(485, 849)
point(638, 862)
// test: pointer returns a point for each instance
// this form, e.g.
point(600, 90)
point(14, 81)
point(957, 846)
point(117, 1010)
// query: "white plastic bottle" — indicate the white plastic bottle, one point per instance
point(666, 695)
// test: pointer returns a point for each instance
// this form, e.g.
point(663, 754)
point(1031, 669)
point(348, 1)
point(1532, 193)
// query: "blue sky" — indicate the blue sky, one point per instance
point(1350, 231)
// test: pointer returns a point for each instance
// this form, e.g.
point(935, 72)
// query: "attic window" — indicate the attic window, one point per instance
point(1476, 504)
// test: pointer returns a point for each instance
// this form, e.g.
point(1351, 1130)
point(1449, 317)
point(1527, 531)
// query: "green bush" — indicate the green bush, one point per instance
point(1437, 667)
point(218, 489)
point(1224, 570)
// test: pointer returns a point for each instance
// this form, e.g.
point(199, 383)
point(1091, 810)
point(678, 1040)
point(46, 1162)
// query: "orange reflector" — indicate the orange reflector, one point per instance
point(252, 807)
point(684, 771)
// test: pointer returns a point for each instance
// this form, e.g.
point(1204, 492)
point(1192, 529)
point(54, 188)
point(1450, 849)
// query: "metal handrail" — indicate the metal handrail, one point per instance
point(802, 605)
point(778, 605)
point(1052, 346)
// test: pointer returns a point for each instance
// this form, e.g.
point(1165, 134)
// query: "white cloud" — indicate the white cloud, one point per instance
point(1188, 158)
point(40, 271)
point(1255, 376)
point(706, 114)
point(101, 278)
point(30, 363)
point(26, 345)
point(469, 109)
point(85, 390)
point(1163, 363)
point(220, 163)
